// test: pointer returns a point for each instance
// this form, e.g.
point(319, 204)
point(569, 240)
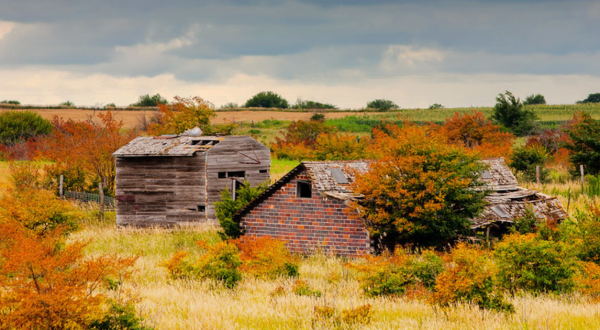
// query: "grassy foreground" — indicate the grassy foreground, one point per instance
point(182, 304)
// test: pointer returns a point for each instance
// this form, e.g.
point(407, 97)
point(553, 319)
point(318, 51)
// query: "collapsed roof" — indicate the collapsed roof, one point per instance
point(507, 200)
point(167, 145)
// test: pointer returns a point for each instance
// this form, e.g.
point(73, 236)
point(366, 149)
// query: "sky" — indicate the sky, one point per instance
point(457, 53)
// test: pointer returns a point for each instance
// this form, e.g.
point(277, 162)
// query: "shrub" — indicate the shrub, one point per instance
point(120, 317)
point(534, 99)
point(469, 277)
point(318, 117)
point(399, 274)
point(267, 100)
point(301, 104)
point(529, 263)
point(527, 224)
point(302, 288)
point(587, 235)
point(67, 104)
point(436, 106)
point(220, 263)
point(150, 101)
point(509, 112)
point(382, 105)
point(227, 207)
point(524, 160)
point(11, 102)
point(17, 126)
point(335, 319)
point(588, 281)
point(266, 257)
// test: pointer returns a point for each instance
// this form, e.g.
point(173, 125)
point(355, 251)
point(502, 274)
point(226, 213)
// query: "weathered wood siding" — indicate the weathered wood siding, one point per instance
point(234, 154)
point(160, 190)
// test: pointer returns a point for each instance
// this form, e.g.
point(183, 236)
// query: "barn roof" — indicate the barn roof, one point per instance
point(507, 200)
point(167, 145)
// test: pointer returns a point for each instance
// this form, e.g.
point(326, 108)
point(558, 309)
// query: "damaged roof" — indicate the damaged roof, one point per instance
point(167, 145)
point(507, 201)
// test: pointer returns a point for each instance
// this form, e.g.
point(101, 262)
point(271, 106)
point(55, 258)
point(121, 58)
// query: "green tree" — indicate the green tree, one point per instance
point(592, 98)
point(11, 102)
point(436, 106)
point(16, 126)
point(525, 159)
point(421, 189)
point(227, 207)
point(509, 112)
point(382, 105)
point(267, 100)
point(150, 101)
point(534, 99)
point(584, 143)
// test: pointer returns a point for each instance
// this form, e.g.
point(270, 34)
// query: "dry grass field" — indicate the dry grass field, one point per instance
point(131, 117)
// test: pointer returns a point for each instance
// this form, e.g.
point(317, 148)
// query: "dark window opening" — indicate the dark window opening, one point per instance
point(262, 171)
point(222, 175)
point(304, 190)
point(195, 142)
point(236, 174)
point(201, 208)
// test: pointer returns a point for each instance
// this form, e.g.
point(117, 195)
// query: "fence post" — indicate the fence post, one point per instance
point(537, 174)
point(582, 177)
point(61, 186)
point(101, 213)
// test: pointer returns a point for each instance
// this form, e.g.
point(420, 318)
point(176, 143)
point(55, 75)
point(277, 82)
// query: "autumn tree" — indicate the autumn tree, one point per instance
point(422, 189)
point(477, 134)
point(85, 146)
point(49, 285)
point(299, 139)
point(182, 114)
point(584, 144)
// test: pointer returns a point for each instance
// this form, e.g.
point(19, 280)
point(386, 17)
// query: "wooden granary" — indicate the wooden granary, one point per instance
point(175, 179)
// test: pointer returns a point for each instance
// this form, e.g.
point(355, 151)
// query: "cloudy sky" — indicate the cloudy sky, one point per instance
point(416, 53)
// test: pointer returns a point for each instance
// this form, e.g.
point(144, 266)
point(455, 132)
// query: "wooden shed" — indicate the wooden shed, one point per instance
point(169, 180)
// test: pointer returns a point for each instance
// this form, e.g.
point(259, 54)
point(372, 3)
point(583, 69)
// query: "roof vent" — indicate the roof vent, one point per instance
point(338, 176)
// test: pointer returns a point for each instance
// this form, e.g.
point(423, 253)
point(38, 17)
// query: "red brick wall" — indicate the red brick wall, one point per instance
point(307, 224)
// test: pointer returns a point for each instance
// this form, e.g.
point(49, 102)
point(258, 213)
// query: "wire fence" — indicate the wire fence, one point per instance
point(110, 203)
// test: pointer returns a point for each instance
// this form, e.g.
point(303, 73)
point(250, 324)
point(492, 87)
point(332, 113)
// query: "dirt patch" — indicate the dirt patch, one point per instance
point(131, 118)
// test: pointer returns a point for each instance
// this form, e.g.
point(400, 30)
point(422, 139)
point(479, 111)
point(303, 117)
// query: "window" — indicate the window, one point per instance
point(236, 174)
point(262, 171)
point(304, 190)
point(222, 175)
point(201, 208)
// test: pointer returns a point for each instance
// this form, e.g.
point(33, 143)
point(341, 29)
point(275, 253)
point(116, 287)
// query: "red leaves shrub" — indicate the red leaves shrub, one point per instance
point(266, 257)
point(588, 280)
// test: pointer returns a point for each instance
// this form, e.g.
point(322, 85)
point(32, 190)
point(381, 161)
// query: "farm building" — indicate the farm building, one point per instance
point(168, 180)
point(308, 207)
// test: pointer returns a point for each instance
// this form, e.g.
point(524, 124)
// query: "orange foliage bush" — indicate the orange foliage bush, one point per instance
point(469, 277)
point(339, 146)
point(478, 135)
point(589, 280)
point(266, 257)
point(46, 285)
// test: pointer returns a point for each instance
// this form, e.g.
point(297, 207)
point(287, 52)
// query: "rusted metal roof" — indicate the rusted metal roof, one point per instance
point(333, 178)
point(167, 145)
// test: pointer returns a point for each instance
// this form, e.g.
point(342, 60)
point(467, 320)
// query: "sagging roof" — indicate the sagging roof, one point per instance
point(167, 145)
point(507, 201)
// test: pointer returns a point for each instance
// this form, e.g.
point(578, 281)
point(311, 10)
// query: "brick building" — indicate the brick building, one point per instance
point(308, 207)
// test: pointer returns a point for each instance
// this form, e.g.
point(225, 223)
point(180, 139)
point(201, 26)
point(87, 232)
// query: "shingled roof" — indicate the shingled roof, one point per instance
point(507, 200)
point(167, 145)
